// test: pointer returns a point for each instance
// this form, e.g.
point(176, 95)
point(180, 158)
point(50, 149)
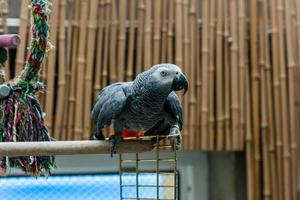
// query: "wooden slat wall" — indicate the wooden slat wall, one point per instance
point(242, 58)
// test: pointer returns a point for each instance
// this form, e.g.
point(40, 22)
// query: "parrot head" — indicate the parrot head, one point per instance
point(168, 77)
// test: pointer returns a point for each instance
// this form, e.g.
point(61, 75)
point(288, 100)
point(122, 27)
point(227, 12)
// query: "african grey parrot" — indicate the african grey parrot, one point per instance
point(148, 103)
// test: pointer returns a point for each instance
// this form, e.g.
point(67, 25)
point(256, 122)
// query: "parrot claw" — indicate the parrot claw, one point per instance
point(113, 144)
point(175, 139)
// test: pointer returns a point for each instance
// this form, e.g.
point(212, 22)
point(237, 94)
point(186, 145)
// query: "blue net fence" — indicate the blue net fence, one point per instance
point(82, 187)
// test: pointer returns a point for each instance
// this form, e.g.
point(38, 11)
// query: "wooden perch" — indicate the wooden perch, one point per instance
point(70, 147)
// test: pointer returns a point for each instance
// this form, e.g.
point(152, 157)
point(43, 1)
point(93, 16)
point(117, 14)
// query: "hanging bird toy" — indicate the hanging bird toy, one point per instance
point(21, 116)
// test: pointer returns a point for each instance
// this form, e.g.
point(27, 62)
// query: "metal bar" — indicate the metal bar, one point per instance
point(175, 173)
point(157, 169)
point(167, 186)
point(120, 174)
point(70, 147)
point(133, 198)
point(147, 172)
point(150, 160)
point(137, 174)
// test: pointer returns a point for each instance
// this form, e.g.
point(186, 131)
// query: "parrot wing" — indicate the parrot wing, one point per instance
point(109, 104)
point(174, 107)
point(173, 113)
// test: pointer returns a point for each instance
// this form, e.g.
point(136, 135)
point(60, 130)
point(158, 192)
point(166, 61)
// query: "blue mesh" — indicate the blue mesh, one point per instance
point(80, 187)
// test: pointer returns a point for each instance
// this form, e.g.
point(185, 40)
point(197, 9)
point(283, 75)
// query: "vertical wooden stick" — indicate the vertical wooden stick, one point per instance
point(130, 57)
point(90, 56)
point(140, 36)
point(270, 106)
point(187, 56)
point(113, 70)
point(60, 107)
point(50, 67)
point(291, 99)
point(211, 71)
point(284, 109)
point(193, 73)
point(205, 59)
point(122, 40)
point(81, 67)
point(249, 147)
point(164, 30)
point(234, 75)
point(242, 71)
point(99, 57)
point(276, 86)
point(219, 78)
point(170, 55)
point(255, 95)
point(227, 80)
point(147, 39)
point(156, 31)
point(72, 97)
point(23, 33)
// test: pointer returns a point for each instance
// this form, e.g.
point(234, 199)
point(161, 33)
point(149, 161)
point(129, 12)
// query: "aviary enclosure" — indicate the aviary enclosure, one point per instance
point(242, 58)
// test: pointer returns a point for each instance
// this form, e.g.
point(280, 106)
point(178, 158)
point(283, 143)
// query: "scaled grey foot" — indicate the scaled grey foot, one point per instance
point(175, 137)
point(114, 141)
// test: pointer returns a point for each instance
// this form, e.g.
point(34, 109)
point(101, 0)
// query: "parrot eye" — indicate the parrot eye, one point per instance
point(163, 73)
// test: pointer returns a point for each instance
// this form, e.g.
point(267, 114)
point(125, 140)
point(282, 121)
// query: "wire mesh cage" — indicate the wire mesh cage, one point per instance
point(162, 186)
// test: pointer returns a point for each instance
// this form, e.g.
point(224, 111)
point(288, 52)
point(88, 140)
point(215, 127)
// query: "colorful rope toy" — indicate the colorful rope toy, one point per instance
point(21, 116)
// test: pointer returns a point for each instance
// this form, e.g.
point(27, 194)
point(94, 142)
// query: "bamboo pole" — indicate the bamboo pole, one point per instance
point(70, 14)
point(219, 78)
point(297, 85)
point(140, 36)
point(105, 69)
point(170, 34)
point(285, 128)
point(291, 102)
point(164, 31)
point(99, 57)
point(147, 36)
point(234, 75)
point(179, 33)
point(205, 60)
point(122, 40)
point(251, 193)
point(20, 57)
point(81, 68)
point(70, 147)
point(242, 72)
point(5, 9)
point(227, 80)
point(4, 13)
point(72, 93)
point(187, 60)
point(156, 31)
point(277, 102)
point(61, 72)
point(270, 104)
point(264, 126)
point(51, 69)
point(255, 95)
point(90, 56)
point(198, 78)
point(104, 73)
point(192, 73)
point(211, 81)
point(113, 70)
point(130, 57)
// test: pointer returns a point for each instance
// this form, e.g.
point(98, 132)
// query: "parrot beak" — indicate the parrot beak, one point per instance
point(180, 82)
